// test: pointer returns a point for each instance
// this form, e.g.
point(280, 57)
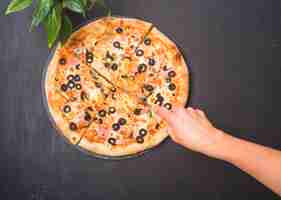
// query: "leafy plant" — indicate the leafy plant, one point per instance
point(51, 13)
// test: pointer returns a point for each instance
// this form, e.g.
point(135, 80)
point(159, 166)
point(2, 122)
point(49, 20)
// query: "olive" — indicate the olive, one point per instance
point(70, 84)
point(142, 68)
point(112, 141)
point(172, 74)
point(157, 126)
point(63, 87)
point(90, 108)
point(158, 102)
point(172, 86)
point(111, 110)
point(77, 78)
point(114, 66)
point(72, 126)
point(70, 77)
point(62, 61)
point(117, 45)
point(87, 117)
point(139, 52)
point(106, 65)
point(100, 121)
point(98, 85)
point(165, 68)
point(148, 87)
point(137, 111)
point(102, 113)
point(66, 109)
point(119, 30)
point(89, 57)
point(139, 139)
point(151, 61)
point(160, 98)
point(115, 126)
point(142, 132)
point(168, 106)
point(122, 121)
point(147, 41)
point(168, 79)
point(77, 66)
point(113, 89)
point(78, 86)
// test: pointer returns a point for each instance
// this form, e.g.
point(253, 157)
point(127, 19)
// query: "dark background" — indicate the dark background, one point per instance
point(236, 71)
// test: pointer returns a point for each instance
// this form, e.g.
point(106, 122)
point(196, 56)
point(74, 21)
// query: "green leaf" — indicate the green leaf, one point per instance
point(109, 12)
point(17, 5)
point(75, 5)
point(66, 28)
point(53, 23)
point(85, 3)
point(42, 9)
point(150, 114)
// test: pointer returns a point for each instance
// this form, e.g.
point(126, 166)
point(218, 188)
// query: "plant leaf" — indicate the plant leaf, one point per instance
point(75, 5)
point(52, 24)
point(17, 5)
point(66, 28)
point(42, 9)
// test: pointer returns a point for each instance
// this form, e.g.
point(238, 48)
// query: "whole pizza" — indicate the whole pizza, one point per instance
point(103, 81)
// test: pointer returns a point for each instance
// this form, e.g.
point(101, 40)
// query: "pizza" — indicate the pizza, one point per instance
point(102, 83)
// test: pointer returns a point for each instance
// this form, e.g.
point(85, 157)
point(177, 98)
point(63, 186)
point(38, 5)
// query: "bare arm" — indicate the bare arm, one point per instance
point(193, 130)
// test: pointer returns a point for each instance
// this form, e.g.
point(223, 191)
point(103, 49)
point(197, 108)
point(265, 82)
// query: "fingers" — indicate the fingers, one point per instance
point(164, 113)
point(196, 112)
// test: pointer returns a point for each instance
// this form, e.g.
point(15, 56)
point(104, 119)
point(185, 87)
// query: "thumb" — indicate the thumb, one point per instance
point(163, 113)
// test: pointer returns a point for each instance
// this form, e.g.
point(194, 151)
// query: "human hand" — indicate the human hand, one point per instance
point(191, 128)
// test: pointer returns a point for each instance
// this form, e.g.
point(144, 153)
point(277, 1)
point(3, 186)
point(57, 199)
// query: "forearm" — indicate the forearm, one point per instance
point(259, 161)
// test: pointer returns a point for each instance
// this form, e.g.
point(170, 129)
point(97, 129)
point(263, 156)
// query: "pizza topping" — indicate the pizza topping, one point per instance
point(84, 96)
point(142, 132)
point(172, 74)
point(114, 66)
point(139, 52)
point(119, 30)
point(168, 79)
point(98, 85)
point(157, 126)
point(109, 57)
point(62, 61)
point(115, 126)
point(168, 106)
point(159, 100)
point(117, 45)
point(77, 78)
point(70, 77)
point(137, 111)
point(113, 89)
point(67, 109)
point(87, 117)
point(89, 57)
point(165, 68)
point(151, 61)
point(122, 121)
point(148, 87)
point(106, 65)
point(142, 68)
point(102, 113)
point(77, 66)
point(78, 86)
point(147, 41)
point(73, 126)
point(139, 139)
point(172, 86)
point(90, 108)
point(70, 84)
point(112, 141)
point(111, 110)
point(63, 87)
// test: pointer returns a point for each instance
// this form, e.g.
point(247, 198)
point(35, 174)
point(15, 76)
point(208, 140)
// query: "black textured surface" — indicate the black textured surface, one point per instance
point(235, 49)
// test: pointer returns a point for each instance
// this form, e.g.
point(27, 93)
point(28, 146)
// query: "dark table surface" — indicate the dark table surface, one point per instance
point(236, 71)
